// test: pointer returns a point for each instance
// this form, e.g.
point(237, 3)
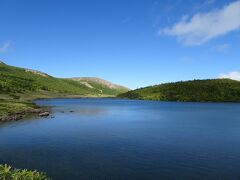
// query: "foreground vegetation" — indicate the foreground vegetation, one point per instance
point(215, 90)
point(9, 173)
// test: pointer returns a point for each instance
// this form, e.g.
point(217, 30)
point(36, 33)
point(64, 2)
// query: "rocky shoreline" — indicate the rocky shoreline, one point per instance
point(20, 115)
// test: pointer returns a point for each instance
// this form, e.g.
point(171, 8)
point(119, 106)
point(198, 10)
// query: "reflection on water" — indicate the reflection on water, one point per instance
point(122, 139)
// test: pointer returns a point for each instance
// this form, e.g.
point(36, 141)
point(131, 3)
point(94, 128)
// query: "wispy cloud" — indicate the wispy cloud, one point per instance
point(202, 27)
point(5, 46)
point(232, 75)
point(208, 2)
point(222, 48)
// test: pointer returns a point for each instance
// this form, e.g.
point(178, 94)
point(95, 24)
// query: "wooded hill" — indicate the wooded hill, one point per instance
point(210, 90)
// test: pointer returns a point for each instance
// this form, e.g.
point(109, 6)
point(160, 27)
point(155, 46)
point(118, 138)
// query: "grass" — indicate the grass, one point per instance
point(16, 80)
point(9, 173)
point(11, 107)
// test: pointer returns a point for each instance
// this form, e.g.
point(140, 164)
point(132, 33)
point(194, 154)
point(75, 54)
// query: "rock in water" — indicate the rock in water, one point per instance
point(44, 114)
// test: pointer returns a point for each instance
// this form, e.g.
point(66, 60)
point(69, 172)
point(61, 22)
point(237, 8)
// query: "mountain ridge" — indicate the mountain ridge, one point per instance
point(25, 79)
point(101, 81)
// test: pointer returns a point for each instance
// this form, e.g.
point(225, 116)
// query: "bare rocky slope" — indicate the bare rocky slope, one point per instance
point(101, 84)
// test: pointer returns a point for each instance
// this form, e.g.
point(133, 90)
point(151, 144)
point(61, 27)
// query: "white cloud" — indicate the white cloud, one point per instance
point(232, 75)
point(5, 46)
point(202, 27)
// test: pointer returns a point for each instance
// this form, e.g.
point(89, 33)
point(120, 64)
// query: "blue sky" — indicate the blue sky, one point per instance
point(130, 42)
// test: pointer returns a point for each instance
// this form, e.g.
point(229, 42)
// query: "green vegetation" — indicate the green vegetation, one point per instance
point(18, 86)
point(18, 80)
point(215, 90)
point(13, 106)
point(9, 173)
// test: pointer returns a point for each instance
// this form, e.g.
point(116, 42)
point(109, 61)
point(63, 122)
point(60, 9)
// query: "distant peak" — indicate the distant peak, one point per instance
point(100, 81)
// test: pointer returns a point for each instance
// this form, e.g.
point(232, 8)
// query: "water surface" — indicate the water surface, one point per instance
point(127, 139)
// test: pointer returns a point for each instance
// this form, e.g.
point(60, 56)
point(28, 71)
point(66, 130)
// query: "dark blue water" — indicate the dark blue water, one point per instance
point(123, 139)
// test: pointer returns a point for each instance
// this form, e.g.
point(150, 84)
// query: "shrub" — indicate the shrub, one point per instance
point(9, 173)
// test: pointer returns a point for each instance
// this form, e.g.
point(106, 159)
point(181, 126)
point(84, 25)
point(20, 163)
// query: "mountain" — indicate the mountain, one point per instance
point(210, 90)
point(16, 80)
point(19, 85)
point(101, 85)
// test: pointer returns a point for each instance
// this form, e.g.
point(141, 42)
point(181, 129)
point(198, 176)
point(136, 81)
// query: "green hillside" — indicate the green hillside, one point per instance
point(215, 90)
point(19, 80)
point(17, 85)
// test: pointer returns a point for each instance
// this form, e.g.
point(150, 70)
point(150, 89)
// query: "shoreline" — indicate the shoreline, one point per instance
point(23, 114)
point(38, 110)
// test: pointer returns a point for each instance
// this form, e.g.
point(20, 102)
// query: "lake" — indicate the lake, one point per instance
point(127, 139)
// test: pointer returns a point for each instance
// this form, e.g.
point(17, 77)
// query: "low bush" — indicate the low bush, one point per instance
point(9, 173)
